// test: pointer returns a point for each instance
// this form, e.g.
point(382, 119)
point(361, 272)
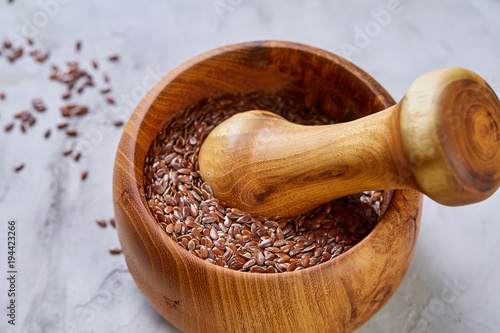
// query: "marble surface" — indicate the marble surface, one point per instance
point(68, 282)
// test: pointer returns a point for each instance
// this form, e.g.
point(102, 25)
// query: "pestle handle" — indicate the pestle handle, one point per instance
point(442, 138)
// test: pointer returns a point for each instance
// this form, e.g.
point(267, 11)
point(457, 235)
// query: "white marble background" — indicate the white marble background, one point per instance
point(67, 281)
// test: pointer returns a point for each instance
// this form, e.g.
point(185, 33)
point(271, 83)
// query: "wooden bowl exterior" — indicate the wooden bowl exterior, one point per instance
point(195, 296)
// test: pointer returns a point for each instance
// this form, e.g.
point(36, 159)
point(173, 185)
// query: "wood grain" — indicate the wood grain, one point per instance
point(450, 119)
point(337, 296)
point(265, 165)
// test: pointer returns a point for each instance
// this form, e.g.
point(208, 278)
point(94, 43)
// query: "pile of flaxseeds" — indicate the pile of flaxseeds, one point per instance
point(185, 207)
point(75, 79)
point(72, 76)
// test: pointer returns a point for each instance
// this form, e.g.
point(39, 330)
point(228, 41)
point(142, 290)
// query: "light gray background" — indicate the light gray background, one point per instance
point(68, 282)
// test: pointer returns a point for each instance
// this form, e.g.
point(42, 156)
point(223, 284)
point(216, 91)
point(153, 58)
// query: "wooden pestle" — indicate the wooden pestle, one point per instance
point(442, 139)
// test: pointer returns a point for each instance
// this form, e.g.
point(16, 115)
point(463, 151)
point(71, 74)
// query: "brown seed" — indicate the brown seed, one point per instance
point(62, 125)
point(8, 127)
point(227, 255)
point(184, 171)
point(309, 248)
point(305, 261)
point(39, 56)
point(260, 258)
point(47, 133)
point(266, 243)
point(237, 211)
point(77, 156)
point(112, 222)
point(192, 224)
point(84, 174)
point(177, 227)
point(160, 217)
point(105, 89)
point(115, 250)
point(78, 45)
point(204, 252)
point(101, 222)
point(113, 57)
point(28, 39)
point(65, 112)
point(249, 263)
point(67, 151)
point(81, 110)
point(220, 244)
point(110, 99)
point(18, 167)
point(7, 44)
point(273, 249)
point(15, 54)
point(71, 132)
point(257, 269)
point(118, 123)
point(236, 265)
point(213, 233)
point(66, 95)
point(2, 94)
point(23, 115)
point(279, 243)
point(292, 267)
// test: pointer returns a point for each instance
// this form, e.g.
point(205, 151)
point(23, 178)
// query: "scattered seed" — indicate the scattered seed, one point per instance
point(105, 89)
point(84, 174)
point(8, 127)
point(7, 43)
point(67, 151)
point(78, 45)
point(18, 167)
point(118, 123)
point(102, 223)
point(38, 105)
point(71, 132)
point(66, 95)
point(2, 94)
point(39, 56)
point(115, 250)
point(77, 156)
point(80, 110)
point(113, 57)
point(112, 222)
point(110, 99)
point(47, 133)
point(15, 54)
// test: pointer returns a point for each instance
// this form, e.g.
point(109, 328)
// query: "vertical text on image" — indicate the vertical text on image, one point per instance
point(11, 271)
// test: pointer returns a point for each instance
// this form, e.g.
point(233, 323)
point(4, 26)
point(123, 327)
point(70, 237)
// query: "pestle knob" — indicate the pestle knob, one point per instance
point(442, 139)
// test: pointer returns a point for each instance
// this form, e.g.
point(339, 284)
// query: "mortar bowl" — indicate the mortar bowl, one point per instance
point(195, 296)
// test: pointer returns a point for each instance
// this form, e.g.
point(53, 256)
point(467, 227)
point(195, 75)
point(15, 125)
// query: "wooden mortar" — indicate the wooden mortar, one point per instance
point(195, 296)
